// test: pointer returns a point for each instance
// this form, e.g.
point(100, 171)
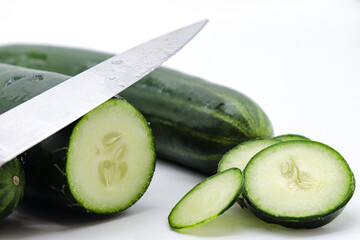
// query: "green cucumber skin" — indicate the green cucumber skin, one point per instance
point(45, 165)
point(18, 84)
point(11, 194)
point(194, 122)
point(69, 60)
point(46, 179)
point(308, 222)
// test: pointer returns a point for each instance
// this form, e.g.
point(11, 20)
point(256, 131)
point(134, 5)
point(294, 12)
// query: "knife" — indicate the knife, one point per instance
point(38, 118)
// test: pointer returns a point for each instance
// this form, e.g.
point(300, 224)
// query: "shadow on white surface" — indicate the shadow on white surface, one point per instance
point(31, 220)
point(241, 222)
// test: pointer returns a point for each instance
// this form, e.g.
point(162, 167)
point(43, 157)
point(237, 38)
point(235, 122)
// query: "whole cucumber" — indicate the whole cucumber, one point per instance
point(194, 121)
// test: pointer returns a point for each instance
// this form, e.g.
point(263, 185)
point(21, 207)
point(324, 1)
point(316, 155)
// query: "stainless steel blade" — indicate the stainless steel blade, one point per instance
point(31, 122)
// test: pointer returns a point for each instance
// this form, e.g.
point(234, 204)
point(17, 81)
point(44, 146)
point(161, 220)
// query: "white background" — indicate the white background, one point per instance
point(299, 60)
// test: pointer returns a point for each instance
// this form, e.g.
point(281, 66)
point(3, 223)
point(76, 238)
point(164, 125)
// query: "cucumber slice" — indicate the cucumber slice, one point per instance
point(207, 200)
point(298, 184)
point(290, 137)
point(101, 164)
point(240, 155)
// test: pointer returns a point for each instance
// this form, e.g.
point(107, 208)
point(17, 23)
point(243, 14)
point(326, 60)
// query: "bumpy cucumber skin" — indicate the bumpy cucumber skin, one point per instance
point(194, 121)
point(10, 193)
point(69, 61)
point(18, 84)
point(307, 222)
point(45, 163)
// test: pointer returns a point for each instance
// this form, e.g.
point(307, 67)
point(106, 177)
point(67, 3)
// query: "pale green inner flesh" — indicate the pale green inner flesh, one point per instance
point(241, 155)
point(207, 200)
point(110, 158)
point(297, 180)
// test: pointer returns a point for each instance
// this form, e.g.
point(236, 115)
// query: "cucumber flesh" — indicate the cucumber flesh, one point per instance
point(207, 200)
point(298, 184)
point(290, 137)
point(240, 155)
point(111, 158)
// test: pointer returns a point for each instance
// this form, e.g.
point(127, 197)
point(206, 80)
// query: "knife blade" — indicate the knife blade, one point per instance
point(38, 118)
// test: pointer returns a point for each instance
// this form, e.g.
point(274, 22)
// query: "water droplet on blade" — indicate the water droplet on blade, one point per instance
point(13, 80)
point(37, 78)
point(117, 61)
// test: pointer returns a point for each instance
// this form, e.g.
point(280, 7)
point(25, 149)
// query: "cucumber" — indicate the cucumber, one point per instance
point(298, 184)
point(102, 163)
point(194, 121)
point(207, 200)
point(12, 182)
point(290, 137)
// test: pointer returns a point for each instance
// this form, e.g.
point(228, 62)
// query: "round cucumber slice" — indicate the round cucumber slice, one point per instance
point(111, 158)
point(298, 184)
point(207, 200)
point(290, 137)
point(240, 155)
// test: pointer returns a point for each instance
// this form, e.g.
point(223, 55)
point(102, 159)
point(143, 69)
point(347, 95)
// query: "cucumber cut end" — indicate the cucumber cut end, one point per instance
point(298, 182)
point(111, 158)
point(207, 200)
point(12, 183)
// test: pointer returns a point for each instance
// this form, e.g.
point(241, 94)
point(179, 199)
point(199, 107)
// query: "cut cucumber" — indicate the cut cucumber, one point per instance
point(290, 137)
point(207, 200)
point(240, 155)
point(105, 167)
point(84, 174)
point(298, 184)
point(12, 182)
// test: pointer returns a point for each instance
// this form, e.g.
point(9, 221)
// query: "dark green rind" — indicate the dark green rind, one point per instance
point(194, 121)
point(45, 163)
point(18, 84)
point(290, 137)
point(45, 168)
point(231, 201)
point(10, 194)
point(308, 222)
point(314, 221)
point(70, 61)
